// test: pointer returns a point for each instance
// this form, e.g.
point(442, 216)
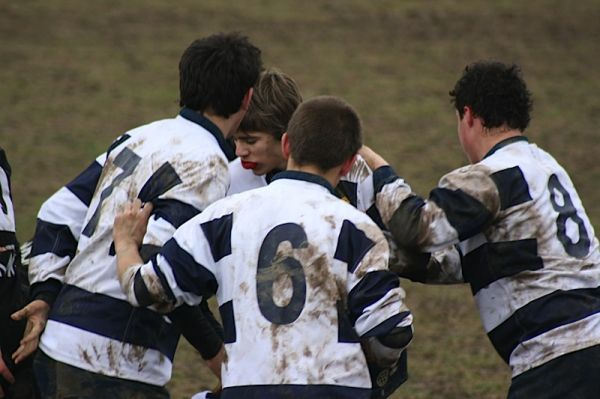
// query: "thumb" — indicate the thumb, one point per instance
point(20, 314)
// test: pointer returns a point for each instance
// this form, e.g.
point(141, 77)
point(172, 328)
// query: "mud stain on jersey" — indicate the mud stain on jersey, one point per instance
point(390, 197)
point(321, 278)
point(113, 356)
point(85, 356)
point(331, 219)
point(244, 287)
point(475, 181)
point(208, 179)
point(307, 352)
point(135, 354)
point(274, 337)
point(157, 292)
point(377, 257)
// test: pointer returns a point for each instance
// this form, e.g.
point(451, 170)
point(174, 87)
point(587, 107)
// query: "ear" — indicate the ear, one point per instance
point(247, 98)
point(469, 116)
point(285, 146)
point(347, 165)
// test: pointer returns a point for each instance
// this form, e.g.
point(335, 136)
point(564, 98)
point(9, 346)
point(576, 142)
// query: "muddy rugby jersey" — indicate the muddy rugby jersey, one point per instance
point(356, 187)
point(8, 239)
point(10, 296)
point(297, 283)
point(523, 242)
point(179, 165)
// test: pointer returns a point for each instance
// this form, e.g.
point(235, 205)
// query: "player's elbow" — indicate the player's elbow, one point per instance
point(386, 350)
point(398, 338)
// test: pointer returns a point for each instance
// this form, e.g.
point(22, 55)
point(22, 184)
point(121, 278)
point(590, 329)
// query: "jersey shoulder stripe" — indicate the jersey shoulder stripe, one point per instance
point(465, 213)
point(84, 185)
point(189, 275)
point(218, 234)
point(173, 211)
point(512, 187)
point(53, 238)
point(352, 245)
point(161, 181)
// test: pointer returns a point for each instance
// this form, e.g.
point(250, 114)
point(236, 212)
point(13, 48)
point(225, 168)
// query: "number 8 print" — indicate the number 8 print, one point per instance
point(566, 210)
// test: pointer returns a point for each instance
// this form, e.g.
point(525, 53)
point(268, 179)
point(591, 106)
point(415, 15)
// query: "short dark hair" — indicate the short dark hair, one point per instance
point(276, 97)
point(216, 72)
point(324, 131)
point(496, 92)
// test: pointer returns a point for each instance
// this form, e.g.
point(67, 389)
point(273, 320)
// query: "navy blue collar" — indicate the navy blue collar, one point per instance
point(270, 175)
point(197, 118)
point(504, 143)
point(309, 177)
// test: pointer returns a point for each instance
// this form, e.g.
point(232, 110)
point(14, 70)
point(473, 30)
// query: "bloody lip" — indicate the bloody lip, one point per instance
point(248, 165)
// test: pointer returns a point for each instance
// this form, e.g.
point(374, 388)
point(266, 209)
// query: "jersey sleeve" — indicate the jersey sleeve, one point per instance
point(185, 269)
point(375, 299)
point(464, 203)
point(440, 267)
point(58, 228)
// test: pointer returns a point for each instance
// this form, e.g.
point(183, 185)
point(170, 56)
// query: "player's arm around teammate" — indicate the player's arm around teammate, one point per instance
point(180, 165)
point(527, 247)
point(337, 264)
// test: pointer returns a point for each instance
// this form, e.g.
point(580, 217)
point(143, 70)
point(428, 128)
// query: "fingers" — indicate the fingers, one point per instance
point(36, 308)
point(6, 374)
point(29, 343)
point(24, 351)
point(129, 227)
point(36, 313)
point(135, 209)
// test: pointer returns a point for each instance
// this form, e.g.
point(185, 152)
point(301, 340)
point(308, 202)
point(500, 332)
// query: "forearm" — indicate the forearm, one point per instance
point(128, 256)
point(373, 160)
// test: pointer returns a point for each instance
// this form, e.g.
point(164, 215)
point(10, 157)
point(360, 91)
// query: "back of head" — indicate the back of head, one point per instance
point(496, 93)
point(276, 97)
point(324, 132)
point(216, 72)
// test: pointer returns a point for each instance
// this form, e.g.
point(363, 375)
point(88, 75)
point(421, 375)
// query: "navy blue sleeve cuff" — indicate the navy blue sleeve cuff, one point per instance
point(199, 327)
point(383, 176)
point(47, 290)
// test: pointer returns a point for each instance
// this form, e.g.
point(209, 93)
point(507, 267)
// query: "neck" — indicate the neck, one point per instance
point(332, 175)
point(227, 126)
point(490, 137)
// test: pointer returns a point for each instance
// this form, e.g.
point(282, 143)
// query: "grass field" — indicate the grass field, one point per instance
point(77, 74)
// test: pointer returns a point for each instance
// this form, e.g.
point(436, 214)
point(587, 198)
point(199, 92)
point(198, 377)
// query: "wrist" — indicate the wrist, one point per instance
point(125, 244)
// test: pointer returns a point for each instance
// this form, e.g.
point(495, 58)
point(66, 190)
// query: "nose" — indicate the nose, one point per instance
point(241, 150)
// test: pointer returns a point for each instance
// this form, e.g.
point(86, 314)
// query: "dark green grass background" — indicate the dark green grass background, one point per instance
point(75, 74)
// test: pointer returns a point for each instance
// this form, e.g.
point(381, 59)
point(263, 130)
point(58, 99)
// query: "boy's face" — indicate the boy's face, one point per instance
point(259, 151)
